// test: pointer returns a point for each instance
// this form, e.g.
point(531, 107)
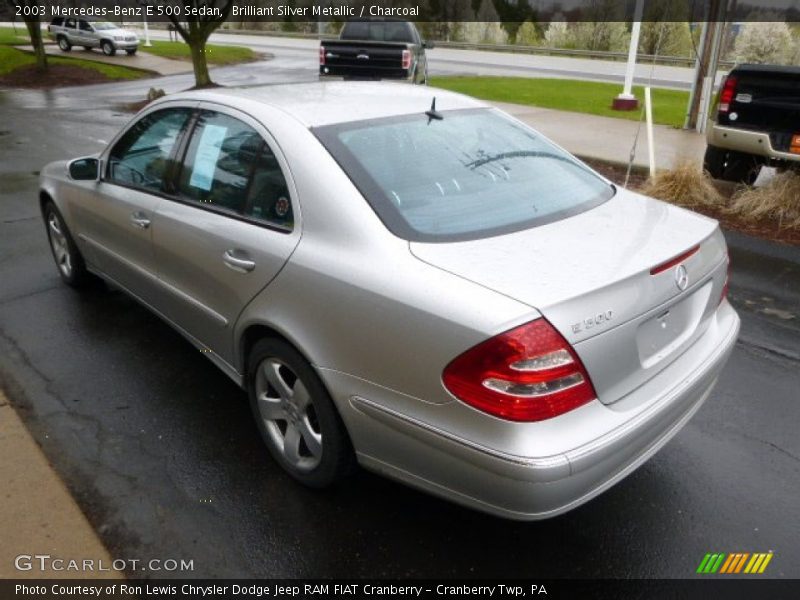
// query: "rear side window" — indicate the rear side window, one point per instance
point(229, 166)
point(378, 31)
point(141, 157)
point(70, 23)
point(472, 174)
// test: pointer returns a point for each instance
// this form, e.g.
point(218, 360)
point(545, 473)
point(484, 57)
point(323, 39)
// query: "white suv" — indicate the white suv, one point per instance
point(69, 32)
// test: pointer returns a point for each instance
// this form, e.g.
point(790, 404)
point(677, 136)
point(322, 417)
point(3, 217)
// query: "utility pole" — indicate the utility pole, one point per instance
point(706, 65)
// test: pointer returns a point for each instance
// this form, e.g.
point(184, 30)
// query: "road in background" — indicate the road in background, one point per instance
point(451, 61)
point(161, 452)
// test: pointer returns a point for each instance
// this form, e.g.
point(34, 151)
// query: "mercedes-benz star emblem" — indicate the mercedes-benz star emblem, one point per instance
point(681, 277)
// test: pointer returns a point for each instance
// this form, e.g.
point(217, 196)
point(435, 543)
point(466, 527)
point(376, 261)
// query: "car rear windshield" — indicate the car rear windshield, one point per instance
point(469, 175)
point(377, 31)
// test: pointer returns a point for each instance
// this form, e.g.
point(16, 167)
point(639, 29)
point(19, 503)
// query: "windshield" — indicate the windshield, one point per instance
point(471, 174)
point(101, 25)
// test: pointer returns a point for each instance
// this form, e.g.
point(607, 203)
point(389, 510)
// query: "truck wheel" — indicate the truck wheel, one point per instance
point(730, 165)
point(64, 44)
point(108, 48)
point(742, 168)
point(714, 161)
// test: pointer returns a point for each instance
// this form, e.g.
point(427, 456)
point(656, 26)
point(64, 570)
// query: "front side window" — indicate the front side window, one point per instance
point(471, 174)
point(141, 158)
point(85, 26)
point(229, 166)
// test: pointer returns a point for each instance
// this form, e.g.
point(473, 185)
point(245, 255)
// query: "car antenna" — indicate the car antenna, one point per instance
point(432, 113)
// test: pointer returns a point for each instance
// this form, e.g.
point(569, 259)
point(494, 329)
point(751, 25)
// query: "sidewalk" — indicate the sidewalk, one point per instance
point(37, 513)
point(141, 60)
point(609, 139)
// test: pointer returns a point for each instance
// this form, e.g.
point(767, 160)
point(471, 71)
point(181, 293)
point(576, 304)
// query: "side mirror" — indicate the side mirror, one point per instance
point(428, 44)
point(84, 169)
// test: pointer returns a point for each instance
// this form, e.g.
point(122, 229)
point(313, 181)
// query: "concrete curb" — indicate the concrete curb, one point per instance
point(38, 515)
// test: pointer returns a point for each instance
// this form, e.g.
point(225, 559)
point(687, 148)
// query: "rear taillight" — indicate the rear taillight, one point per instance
point(727, 94)
point(724, 293)
point(406, 59)
point(530, 373)
point(321, 55)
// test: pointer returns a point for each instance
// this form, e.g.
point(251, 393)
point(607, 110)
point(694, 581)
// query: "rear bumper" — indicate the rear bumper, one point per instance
point(616, 439)
point(364, 74)
point(751, 142)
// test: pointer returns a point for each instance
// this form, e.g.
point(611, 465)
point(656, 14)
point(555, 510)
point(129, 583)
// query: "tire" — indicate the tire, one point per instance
point(70, 263)
point(730, 165)
point(108, 48)
point(130, 52)
point(296, 416)
point(64, 44)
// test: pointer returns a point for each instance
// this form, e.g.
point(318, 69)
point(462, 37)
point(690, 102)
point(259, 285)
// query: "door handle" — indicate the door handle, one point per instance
point(243, 265)
point(140, 220)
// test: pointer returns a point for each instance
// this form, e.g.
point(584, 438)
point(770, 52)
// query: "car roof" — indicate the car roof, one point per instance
point(327, 103)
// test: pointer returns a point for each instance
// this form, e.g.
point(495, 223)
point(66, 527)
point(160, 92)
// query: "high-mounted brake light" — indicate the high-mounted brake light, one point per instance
point(673, 261)
point(406, 59)
point(530, 373)
point(727, 94)
point(321, 55)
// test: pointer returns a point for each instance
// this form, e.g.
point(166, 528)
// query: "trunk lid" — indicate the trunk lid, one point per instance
point(590, 276)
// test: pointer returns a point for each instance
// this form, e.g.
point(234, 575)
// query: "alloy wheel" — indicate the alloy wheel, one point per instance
point(59, 244)
point(289, 414)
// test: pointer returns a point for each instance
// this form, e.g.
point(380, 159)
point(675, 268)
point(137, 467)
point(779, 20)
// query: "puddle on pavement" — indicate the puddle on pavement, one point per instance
point(17, 182)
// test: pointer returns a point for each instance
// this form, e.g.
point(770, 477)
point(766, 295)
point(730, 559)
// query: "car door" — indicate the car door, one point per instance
point(71, 31)
point(230, 228)
point(84, 34)
point(114, 218)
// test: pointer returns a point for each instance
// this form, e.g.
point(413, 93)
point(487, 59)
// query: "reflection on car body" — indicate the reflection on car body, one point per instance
point(456, 302)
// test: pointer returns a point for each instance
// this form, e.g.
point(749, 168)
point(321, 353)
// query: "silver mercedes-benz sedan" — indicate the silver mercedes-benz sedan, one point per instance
point(422, 286)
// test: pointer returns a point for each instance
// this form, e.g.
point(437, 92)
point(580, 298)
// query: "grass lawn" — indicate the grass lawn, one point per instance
point(669, 106)
point(216, 55)
point(7, 36)
point(12, 59)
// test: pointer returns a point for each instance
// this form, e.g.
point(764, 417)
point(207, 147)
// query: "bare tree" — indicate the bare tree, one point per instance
point(196, 22)
point(34, 31)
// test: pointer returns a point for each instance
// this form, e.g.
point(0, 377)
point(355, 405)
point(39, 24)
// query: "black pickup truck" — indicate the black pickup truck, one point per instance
point(755, 121)
point(376, 49)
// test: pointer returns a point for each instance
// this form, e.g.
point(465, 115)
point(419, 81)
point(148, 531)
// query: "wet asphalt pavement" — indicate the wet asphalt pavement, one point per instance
point(159, 448)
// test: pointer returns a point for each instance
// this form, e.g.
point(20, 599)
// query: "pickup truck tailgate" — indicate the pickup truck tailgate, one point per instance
point(363, 59)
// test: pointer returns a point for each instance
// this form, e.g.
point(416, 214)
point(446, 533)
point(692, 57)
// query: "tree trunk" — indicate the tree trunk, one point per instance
point(201, 76)
point(35, 32)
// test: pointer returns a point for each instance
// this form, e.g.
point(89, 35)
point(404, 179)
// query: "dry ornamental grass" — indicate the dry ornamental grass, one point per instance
point(685, 185)
point(778, 201)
